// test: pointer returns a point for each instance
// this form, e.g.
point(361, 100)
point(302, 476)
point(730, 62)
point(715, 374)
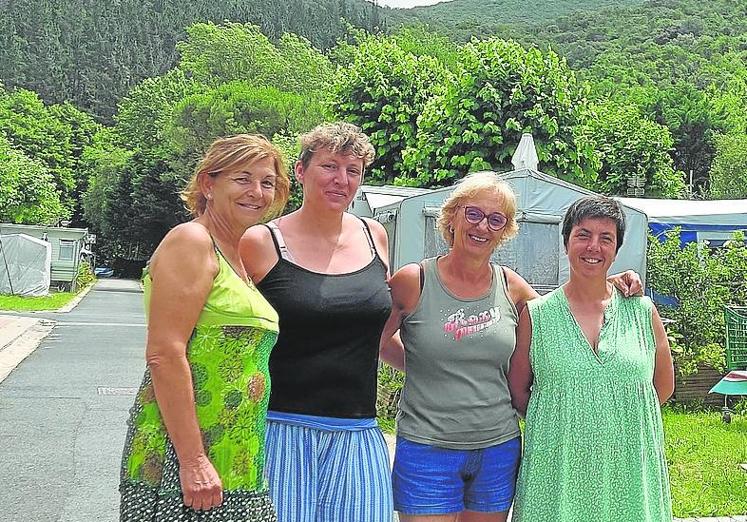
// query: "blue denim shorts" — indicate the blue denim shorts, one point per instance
point(428, 480)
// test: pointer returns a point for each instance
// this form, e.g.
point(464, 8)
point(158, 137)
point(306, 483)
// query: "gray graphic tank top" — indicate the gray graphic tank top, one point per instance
point(457, 353)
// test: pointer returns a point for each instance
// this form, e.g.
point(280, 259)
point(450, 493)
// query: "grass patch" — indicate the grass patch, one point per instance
point(18, 303)
point(704, 454)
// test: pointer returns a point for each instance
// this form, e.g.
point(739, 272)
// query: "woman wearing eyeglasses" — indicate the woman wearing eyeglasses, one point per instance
point(458, 442)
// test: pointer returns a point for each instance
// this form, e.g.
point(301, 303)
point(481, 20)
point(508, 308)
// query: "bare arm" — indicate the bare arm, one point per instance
point(519, 290)
point(182, 273)
point(520, 376)
point(405, 286)
point(663, 367)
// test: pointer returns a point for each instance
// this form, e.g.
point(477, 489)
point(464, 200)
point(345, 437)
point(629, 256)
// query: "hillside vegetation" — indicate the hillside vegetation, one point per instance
point(91, 52)
point(464, 19)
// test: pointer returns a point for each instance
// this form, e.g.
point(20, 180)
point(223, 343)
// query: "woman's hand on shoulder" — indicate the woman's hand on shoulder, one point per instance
point(519, 290)
point(628, 282)
point(257, 251)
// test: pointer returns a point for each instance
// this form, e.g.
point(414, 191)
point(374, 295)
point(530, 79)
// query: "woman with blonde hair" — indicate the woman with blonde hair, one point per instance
point(458, 441)
point(195, 444)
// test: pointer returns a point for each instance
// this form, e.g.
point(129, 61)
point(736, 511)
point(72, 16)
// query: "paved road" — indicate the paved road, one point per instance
point(63, 411)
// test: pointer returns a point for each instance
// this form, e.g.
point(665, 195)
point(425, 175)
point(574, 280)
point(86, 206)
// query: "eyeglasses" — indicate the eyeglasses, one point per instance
point(496, 220)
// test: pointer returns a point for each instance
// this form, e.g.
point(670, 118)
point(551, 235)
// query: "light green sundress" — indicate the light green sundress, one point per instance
point(228, 356)
point(594, 443)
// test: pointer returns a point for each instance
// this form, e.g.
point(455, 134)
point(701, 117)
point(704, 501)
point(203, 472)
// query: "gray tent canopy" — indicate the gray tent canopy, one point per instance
point(537, 253)
point(25, 265)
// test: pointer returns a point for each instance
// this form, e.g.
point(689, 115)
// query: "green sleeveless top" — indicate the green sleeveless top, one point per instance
point(228, 356)
point(594, 443)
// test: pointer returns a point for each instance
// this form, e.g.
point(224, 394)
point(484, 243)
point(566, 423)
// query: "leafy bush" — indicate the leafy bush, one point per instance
point(85, 275)
point(704, 282)
point(627, 145)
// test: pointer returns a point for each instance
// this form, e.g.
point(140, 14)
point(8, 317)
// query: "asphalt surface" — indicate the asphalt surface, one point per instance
point(63, 411)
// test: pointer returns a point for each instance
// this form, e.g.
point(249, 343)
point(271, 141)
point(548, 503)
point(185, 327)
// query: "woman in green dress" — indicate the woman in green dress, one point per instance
point(195, 445)
point(590, 371)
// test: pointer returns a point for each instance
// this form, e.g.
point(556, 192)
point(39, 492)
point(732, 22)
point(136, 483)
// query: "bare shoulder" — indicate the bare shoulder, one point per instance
point(257, 236)
point(377, 229)
point(518, 282)
point(407, 276)
point(518, 289)
point(186, 246)
point(257, 252)
point(405, 285)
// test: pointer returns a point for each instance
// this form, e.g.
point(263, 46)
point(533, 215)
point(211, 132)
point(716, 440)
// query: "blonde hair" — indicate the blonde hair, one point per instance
point(470, 187)
point(338, 137)
point(233, 153)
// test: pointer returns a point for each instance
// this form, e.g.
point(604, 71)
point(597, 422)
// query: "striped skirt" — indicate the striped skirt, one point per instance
point(328, 476)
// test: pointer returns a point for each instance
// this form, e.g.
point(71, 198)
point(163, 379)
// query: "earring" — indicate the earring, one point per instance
point(451, 229)
point(209, 195)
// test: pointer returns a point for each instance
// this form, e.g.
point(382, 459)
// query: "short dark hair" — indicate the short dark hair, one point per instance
point(594, 207)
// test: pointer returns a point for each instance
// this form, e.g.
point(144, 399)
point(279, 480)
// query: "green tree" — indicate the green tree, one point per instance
point(30, 127)
point(215, 54)
point(703, 282)
point(629, 147)
point(232, 108)
point(500, 91)
point(83, 128)
point(27, 190)
point(102, 162)
point(729, 170)
point(383, 89)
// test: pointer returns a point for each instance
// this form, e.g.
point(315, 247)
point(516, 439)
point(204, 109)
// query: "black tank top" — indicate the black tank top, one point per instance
point(325, 360)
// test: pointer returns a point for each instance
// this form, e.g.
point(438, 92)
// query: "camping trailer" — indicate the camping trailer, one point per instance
point(67, 246)
point(537, 253)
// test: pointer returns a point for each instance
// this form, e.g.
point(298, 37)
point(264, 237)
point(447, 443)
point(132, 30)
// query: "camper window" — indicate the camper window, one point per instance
point(66, 249)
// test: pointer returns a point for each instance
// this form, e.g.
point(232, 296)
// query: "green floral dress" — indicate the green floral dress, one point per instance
point(594, 444)
point(228, 355)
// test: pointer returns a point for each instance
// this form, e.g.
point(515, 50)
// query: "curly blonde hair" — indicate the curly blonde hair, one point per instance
point(470, 187)
point(338, 137)
point(231, 154)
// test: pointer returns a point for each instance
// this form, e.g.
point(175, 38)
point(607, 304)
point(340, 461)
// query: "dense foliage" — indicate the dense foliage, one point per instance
point(27, 189)
point(92, 53)
point(436, 111)
point(650, 94)
point(52, 136)
point(464, 19)
point(383, 88)
point(682, 62)
point(232, 79)
point(703, 282)
point(729, 170)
